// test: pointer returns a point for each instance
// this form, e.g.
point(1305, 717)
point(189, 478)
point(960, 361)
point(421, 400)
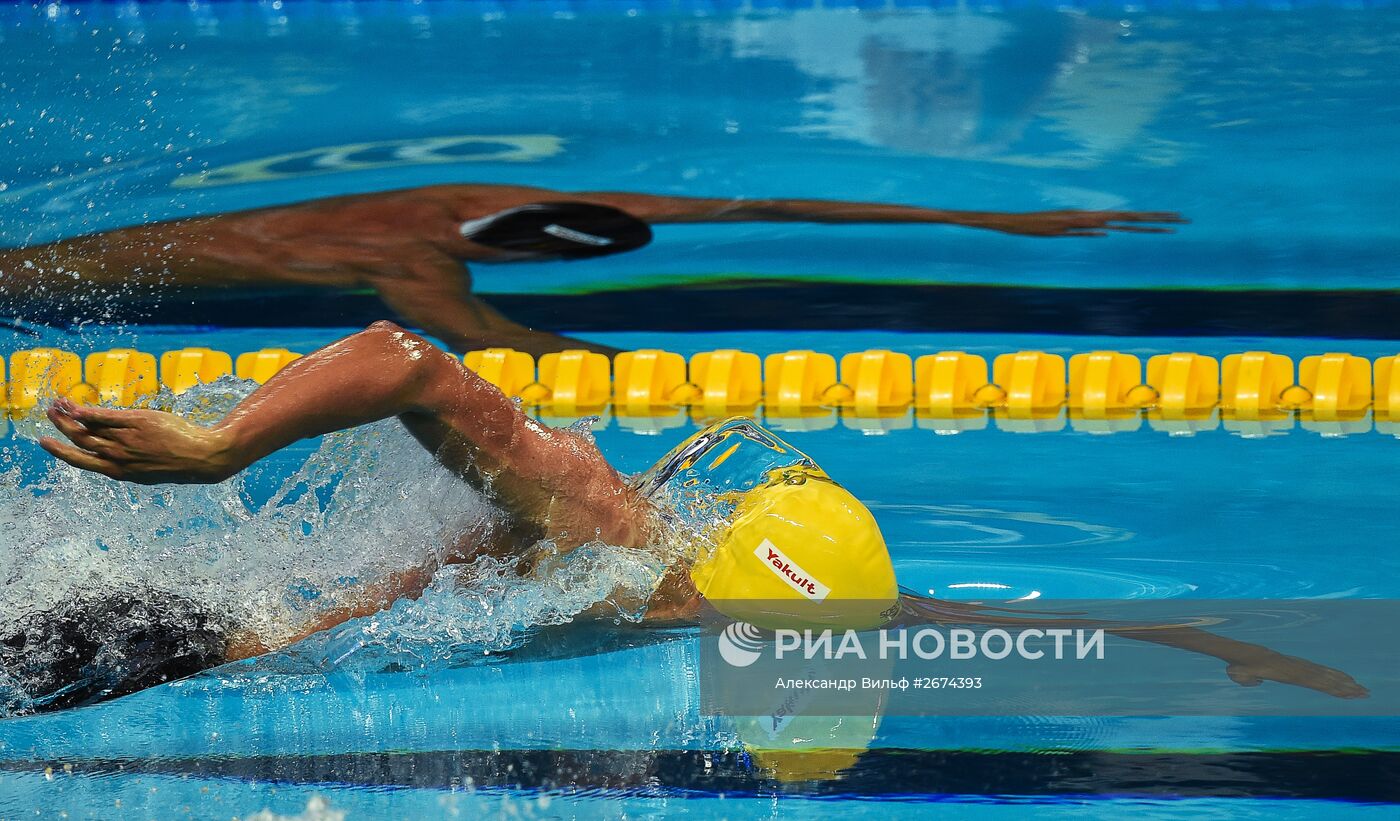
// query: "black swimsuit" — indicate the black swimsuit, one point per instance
point(93, 648)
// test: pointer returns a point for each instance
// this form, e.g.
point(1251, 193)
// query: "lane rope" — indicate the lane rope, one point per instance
point(1252, 392)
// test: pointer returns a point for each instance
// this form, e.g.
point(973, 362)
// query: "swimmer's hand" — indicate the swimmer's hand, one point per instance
point(143, 446)
point(1076, 223)
point(1260, 665)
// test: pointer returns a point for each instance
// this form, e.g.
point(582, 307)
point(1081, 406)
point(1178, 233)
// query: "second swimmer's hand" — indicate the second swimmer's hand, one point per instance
point(1077, 223)
point(1256, 667)
point(142, 446)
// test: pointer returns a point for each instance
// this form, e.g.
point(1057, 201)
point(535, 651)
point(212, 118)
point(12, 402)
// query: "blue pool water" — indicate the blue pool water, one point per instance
point(1272, 128)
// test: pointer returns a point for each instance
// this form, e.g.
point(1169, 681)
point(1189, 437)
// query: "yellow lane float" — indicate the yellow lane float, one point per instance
point(1253, 392)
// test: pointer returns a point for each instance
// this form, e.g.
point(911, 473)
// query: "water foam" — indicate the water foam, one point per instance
point(363, 504)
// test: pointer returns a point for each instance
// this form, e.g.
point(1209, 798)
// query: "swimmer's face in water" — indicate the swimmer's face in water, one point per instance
point(776, 540)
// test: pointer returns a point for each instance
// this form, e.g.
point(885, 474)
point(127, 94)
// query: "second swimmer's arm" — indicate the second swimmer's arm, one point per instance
point(1246, 664)
point(661, 209)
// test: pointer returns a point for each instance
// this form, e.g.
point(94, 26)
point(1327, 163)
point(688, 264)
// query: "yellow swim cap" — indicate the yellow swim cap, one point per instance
point(800, 551)
point(797, 550)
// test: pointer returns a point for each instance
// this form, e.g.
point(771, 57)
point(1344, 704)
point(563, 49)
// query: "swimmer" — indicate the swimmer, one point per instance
point(792, 546)
point(412, 247)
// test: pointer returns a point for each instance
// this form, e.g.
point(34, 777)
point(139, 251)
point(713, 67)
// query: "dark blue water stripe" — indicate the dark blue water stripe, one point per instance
point(782, 305)
point(1371, 776)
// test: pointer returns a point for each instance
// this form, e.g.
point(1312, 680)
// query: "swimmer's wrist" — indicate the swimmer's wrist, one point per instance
point(228, 447)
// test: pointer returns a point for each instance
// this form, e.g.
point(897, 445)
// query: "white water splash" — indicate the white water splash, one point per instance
point(365, 503)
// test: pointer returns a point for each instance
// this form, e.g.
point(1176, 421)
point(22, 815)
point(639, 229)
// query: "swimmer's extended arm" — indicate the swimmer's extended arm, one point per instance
point(550, 481)
point(1246, 664)
point(1067, 223)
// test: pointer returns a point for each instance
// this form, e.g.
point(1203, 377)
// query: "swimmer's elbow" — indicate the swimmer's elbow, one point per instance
point(382, 327)
point(424, 377)
point(394, 343)
point(402, 355)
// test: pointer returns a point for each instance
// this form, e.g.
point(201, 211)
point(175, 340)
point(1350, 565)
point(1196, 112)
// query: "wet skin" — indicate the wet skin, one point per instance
point(407, 247)
point(550, 484)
